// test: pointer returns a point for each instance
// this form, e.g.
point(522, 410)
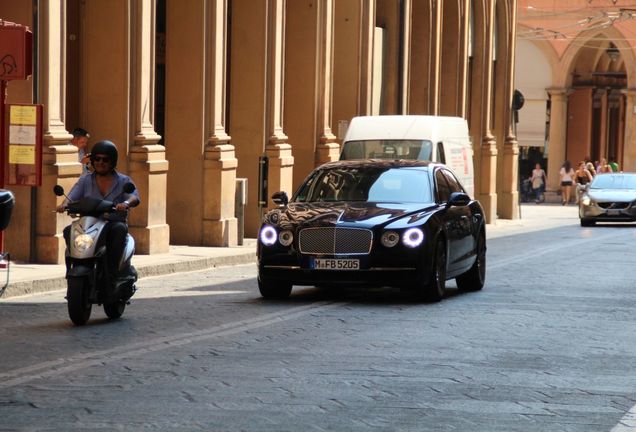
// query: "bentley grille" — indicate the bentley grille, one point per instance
point(335, 241)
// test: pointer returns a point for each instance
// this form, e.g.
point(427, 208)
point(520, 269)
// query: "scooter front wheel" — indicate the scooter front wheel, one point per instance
point(79, 305)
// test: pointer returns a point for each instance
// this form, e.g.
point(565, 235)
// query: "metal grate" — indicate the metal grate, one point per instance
point(335, 241)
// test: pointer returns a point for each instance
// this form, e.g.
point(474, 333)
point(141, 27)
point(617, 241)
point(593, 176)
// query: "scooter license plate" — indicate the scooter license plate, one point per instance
point(335, 264)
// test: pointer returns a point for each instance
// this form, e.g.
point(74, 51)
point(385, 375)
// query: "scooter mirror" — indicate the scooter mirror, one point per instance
point(58, 190)
point(129, 188)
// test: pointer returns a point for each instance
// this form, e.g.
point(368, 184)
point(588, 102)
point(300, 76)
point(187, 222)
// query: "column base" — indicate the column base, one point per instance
point(223, 232)
point(151, 239)
point(508, 205)
point(50, 249)
point(489, 204)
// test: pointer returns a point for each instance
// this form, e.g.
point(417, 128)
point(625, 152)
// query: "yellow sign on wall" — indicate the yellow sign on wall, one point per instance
point(23, 115)
point(19, 154)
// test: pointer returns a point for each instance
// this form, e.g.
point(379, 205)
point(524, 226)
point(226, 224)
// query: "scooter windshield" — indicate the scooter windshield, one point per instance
point(88, 206)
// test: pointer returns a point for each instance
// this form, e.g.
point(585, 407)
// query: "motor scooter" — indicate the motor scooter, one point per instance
point(87, 275)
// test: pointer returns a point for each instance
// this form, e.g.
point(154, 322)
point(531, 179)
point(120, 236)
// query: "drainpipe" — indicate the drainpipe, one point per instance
point(36, 99)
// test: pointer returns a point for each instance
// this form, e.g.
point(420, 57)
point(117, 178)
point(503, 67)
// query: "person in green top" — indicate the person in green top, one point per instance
point(613, 164)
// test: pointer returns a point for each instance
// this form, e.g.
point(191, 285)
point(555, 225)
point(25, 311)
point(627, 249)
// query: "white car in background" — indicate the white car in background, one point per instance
point(609, 197)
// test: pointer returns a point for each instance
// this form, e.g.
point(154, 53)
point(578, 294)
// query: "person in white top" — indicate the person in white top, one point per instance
point(567, 179)
point(538, 183)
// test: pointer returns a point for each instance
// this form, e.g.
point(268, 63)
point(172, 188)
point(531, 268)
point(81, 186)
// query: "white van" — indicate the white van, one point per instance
point(433, 138)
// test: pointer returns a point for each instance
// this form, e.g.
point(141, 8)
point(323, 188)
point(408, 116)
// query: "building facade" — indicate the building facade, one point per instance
point(576, 68)
point(194, 92)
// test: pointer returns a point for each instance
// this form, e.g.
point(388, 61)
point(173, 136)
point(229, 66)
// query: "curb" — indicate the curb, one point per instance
point(57, 283)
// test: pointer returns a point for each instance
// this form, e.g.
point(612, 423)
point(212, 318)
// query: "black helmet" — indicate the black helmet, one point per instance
point(105, 147)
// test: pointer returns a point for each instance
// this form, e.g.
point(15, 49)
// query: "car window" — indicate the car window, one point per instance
point(443, 190)
point(453, 183)
point(614, 181)
point(367, 184)
point(441, 155)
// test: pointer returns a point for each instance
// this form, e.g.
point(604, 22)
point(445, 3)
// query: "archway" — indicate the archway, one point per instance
point(597, 75)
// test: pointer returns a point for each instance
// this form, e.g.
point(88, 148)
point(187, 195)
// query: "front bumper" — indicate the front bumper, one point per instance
point(598, 213)
point(400, 269)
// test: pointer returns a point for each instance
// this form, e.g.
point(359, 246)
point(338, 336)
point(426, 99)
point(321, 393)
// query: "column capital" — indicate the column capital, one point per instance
point(629, 92)
point(559, 91)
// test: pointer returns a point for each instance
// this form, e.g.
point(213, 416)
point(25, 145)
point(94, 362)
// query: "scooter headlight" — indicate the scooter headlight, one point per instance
point(268, 235)
point(83, 242)
point(413, 237)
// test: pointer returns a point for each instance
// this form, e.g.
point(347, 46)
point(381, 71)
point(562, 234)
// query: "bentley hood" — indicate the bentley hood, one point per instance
point(358, 214)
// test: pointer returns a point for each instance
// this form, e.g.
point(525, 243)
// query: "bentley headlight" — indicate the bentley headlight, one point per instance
point(586, 201)
point(83, 242)
point(390, 239)
point(268, 235)
point(286, 238)
point(413, 237)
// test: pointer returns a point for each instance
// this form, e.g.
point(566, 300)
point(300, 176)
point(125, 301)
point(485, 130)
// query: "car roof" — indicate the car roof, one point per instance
point(380, 163)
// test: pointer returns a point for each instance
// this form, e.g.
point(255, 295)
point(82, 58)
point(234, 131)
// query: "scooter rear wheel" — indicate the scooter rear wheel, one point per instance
point(114, 310)
point(79, 305)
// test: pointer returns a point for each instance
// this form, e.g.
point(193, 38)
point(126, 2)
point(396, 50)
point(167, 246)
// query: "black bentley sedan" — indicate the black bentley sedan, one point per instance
point(402, 223)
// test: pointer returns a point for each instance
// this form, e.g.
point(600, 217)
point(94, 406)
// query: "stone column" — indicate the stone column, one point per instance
point(308, 84)
point(629, 146)
point(277, 149)
point(486, 160)
point(147, 164)
point(256, 90)
point(354, 23)
point(59, 161)
point(219, 224)
point(557, 136)
point(424, 64)
point(328, 148)
point(508, 193)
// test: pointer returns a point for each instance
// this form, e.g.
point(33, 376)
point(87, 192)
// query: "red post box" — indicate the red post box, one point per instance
point(16, 43)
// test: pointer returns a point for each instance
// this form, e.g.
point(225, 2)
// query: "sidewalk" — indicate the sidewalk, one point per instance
point(33, 278)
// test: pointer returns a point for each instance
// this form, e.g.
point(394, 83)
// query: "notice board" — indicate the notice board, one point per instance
point(23, 145)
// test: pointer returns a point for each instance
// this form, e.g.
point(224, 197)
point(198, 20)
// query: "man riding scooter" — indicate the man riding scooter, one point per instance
point(105, 183)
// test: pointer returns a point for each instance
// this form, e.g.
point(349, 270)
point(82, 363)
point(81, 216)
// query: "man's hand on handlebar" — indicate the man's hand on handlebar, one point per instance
point(61, 208)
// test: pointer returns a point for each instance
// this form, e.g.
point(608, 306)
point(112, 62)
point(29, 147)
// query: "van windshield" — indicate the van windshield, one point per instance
point(387, 149)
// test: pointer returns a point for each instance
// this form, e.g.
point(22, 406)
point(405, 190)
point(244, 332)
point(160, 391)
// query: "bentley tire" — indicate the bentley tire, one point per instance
point(434, 286)
point(274, 290)
point(473, 279)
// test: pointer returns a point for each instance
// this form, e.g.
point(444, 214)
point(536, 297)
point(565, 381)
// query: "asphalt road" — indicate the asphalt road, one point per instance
point(548, 345)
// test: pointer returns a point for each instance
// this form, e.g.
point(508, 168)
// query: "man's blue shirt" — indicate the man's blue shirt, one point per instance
point(86, 186)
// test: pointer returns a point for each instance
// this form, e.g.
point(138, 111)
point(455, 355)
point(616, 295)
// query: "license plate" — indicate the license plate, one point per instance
point(335, 264)
point(613, 212)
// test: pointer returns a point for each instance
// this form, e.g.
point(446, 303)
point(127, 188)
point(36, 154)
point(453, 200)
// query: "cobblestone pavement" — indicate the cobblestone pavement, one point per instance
point(548, 345)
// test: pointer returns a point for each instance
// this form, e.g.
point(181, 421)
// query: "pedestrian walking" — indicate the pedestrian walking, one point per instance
point(582, 176)
point(538, 183)
point(567, 179)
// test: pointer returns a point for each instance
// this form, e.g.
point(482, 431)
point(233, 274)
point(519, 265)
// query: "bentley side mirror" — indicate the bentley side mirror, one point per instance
point(280, 198)
point(458, 199)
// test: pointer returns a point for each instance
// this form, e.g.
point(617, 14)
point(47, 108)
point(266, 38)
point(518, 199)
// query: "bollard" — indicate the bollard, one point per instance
point(240, 201)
